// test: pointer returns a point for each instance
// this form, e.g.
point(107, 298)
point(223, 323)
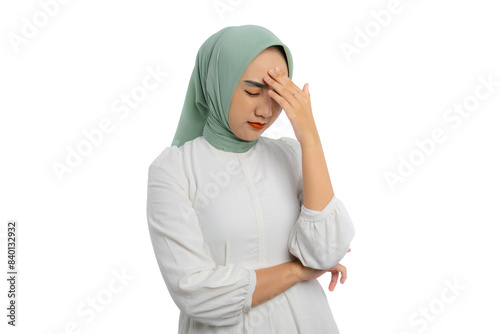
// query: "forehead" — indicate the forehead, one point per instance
point(265, 60)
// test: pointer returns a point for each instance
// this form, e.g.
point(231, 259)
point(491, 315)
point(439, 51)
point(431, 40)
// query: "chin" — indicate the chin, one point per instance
point(248, 137)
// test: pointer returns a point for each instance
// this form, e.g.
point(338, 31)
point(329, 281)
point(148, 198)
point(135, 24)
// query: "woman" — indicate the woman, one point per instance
point(242, 225)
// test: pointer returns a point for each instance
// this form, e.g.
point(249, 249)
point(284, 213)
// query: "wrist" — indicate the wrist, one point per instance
point(312, 139)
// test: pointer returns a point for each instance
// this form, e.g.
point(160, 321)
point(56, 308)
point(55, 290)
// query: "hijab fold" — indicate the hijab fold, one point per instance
point(221, 61)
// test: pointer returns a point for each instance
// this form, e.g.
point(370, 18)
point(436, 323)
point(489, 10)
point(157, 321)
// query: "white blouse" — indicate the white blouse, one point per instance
point(215, 217)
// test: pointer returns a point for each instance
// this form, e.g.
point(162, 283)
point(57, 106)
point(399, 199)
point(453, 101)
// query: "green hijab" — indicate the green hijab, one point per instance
point(220, 63)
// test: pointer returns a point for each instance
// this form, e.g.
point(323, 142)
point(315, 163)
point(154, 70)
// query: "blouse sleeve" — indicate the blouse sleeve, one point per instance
point(212, 294)
point(320, 240)
point(309, 211)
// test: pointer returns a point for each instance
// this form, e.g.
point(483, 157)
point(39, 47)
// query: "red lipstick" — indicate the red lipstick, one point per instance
point(258, 126)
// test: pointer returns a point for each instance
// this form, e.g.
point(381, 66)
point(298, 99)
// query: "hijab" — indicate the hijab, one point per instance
point(221, 61)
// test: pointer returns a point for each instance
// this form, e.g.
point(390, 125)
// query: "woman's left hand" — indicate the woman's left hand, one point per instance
point(295, 102)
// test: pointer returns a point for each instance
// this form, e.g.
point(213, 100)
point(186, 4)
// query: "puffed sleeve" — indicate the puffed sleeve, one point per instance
point(309, 211)
point(319, 240)
point(204, 291)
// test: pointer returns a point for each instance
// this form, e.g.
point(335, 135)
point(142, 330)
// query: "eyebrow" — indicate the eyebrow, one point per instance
point(256, 84)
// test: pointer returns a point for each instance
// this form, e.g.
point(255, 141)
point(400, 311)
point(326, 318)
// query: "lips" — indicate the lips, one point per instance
point(256, 125)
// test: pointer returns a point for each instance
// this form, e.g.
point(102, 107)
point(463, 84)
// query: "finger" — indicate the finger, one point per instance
point(281, 88)
point(277, 87)
point(333, 282)
point(331, 286)
point(344, 275)
point(280, 77)
point(306, 89)
point(279, 99)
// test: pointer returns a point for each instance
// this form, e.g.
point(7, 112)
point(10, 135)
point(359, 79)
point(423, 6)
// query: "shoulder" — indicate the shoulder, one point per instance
point(170, 163)
point(166, 167)
point(288, 145)
point(286, 152)
point(170, 155)
point(173, 156)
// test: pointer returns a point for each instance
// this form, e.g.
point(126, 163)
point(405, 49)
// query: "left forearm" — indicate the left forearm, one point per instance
point(317, 186)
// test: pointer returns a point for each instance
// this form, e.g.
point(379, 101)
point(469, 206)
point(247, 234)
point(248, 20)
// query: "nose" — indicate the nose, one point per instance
point(265, 106)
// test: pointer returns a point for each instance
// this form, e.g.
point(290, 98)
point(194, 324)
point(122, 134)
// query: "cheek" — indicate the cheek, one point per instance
point(233, 118)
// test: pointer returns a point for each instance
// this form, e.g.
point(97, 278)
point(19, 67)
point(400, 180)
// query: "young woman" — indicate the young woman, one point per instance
point(241, 224)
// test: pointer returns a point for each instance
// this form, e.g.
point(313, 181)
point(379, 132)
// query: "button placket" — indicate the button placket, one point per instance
point(257, 209)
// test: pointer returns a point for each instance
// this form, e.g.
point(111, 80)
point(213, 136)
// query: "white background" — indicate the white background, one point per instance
point(438, 225)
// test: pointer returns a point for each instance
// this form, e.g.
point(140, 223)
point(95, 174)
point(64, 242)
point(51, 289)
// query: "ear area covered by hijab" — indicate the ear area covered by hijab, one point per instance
point(221, 61)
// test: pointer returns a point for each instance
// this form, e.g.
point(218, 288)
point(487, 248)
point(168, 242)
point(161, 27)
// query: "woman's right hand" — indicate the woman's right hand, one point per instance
point(310, 274)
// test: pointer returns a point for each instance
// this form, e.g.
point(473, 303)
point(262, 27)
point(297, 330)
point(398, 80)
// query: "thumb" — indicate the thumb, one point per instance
point(306, 88)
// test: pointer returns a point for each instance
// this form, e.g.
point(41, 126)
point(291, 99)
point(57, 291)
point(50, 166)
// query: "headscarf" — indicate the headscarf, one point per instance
point(220, 63)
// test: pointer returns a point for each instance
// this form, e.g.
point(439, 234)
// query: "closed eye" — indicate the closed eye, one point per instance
point(251, 93)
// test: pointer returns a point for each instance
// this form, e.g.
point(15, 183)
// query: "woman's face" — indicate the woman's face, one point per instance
point(251, 101)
